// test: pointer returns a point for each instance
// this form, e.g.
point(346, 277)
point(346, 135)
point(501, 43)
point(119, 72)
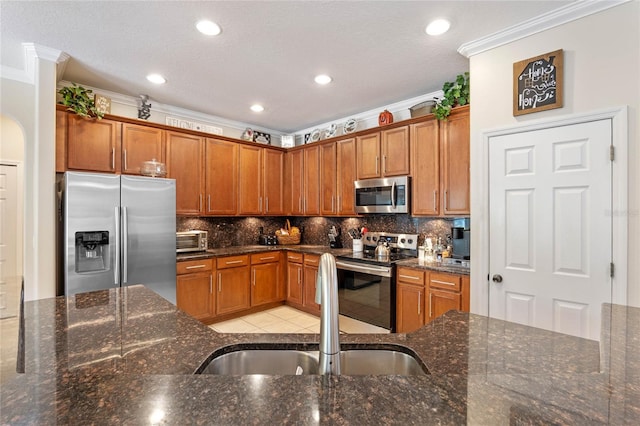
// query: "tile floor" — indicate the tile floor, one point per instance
point(285, 319)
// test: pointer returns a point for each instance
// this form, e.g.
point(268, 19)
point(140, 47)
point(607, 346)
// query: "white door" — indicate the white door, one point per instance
point(9, 280)
point(550, 227)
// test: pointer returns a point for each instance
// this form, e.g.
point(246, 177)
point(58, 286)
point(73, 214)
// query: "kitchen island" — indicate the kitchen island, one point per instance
point(127, 356)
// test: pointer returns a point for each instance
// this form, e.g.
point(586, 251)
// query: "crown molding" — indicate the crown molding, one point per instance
point(132, 101)
point(546, 21)
point(32, 52)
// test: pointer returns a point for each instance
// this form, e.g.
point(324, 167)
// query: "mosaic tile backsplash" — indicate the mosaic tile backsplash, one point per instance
point(239, 231)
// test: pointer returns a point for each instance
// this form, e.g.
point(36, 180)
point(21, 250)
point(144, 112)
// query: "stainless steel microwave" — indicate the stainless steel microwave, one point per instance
point(386, 195)
point(191, 241)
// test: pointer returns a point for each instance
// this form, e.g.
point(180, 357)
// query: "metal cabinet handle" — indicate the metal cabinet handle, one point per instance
point(384, 165)
point(260, 204)
point(377, 160)
point(200, 202)
point(339, 203)
point(116, 269)
point(253, 279)
point(124, 152)
point(332, 204)
point(430, 312)
point(443, 282)
point(266, 205)
point(210, 284)
point(299, 276)
point(219, 282)
point(419, 299)
point(125, 245)
point(195, 266)
point(208, 202)
point(267, 258)
point(446, 203)
point(435, 200)
point(232, 262)
point(409, 277)
point(113, 158)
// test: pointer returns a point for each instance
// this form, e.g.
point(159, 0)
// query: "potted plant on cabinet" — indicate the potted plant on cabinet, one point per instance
point(77, 99)
point(455, 93)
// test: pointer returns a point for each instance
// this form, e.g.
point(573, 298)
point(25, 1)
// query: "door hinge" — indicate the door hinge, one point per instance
point(612, 151)
point(612, 269)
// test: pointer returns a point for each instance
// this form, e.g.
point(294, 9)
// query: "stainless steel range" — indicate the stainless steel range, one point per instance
point(366, 280)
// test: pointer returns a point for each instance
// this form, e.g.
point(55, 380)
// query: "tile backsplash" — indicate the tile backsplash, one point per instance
point(237, 231)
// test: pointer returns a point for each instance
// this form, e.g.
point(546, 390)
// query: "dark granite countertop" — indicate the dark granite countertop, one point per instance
point(126, 356)
point(434, 266)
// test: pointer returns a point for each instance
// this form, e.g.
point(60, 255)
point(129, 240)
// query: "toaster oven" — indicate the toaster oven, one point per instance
point(191, 241)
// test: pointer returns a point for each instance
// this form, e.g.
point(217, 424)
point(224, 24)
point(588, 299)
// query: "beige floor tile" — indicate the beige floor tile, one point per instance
point(284, 312)
point(305, 320)
point(261, 319)
point(235, 326)
point(280, 327)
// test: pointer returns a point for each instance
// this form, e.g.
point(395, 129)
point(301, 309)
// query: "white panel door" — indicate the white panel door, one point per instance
point(9, 280)
point(550, 224)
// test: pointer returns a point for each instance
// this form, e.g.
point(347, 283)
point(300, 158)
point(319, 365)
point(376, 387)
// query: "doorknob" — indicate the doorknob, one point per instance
point(497, 278)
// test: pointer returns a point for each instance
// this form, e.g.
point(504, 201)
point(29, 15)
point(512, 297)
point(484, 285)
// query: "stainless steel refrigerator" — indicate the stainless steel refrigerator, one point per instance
point(118, 231)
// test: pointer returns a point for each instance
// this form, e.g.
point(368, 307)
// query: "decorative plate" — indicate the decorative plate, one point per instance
point(315, 135)
point(350, 125)
point(247, 135)
point(331, 131)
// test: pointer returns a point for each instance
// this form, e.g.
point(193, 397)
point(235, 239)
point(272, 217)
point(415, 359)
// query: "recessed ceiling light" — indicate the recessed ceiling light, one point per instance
point(208, 28)
point(323, 79)
point(156, 79)
point(257, 108)
point(437, 27)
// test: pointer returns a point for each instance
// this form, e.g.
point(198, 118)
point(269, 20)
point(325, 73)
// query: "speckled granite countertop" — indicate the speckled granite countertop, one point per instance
point(127, 357)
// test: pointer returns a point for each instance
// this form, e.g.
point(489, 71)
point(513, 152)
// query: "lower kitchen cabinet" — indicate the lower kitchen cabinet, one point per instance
point(266, 278)
point(233, 282)
point(295, 279)
point(445, 292)
point(194, 288)
point(409, 300)
point(311, 263)
point(302, 271)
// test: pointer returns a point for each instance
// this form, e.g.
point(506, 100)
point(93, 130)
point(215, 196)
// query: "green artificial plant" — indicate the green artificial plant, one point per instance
point(79, 100)
point(455, 93)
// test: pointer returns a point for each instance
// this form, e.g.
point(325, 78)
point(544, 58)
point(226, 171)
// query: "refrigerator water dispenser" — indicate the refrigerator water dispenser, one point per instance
point(92, 251)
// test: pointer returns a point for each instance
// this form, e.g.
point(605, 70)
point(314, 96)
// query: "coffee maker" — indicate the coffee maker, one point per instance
point(461, 239)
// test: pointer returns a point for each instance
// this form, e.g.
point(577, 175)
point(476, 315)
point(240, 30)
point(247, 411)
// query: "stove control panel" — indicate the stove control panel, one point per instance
point(397, 241)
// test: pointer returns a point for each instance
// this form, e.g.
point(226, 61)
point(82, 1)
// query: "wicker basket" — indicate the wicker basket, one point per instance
point(287, 239)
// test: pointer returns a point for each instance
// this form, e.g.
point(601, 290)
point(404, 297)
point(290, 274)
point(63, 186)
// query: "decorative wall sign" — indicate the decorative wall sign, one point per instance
point(262, 137)
point(537, 83)
point(103, 104)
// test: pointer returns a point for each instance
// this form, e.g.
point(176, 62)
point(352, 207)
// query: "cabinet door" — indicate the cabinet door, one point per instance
point(295, 170)
point(441, 301)
point(194, 293)
point(273, 182)
point(409, 308)
point(61, 141)
point(93, 145)
point(328, 179)
point(265, 280)
point(294, 283)
point(185, 164)
point(233, 290)
point(345, 176)
point(368, 155)
point(311, 199)
point(395, 151)
point(310, 276)
point(140, 144)
point(455, 163)
point(221, 177)
point(425, 168)
point(250, 180)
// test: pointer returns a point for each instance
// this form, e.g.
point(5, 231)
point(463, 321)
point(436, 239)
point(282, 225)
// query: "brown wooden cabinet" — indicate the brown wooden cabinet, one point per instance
point(445, 292)
point(194, 288)
point(260, 181)
point(328, 179)
point(93, 145)
point(233, 281)
point(311, 263)
point(61, 141)
point(384, 153)
point(410, 299)
point(295, 294)
point(294, 191)
point(185, 164)
point(266, 278)
point(221, 177)
point(425, 168)
point(311, 198)
point(345, 176)
point(273, 172)
point(140, 144)
point(454, 149)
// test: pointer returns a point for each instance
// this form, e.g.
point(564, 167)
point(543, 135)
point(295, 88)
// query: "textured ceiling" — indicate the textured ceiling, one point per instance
point(268, 52)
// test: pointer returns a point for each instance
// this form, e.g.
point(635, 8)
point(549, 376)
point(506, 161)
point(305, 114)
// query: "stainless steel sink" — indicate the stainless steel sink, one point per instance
point(355, 362)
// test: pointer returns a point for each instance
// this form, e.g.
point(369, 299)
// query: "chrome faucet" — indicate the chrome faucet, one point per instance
point(327, 297)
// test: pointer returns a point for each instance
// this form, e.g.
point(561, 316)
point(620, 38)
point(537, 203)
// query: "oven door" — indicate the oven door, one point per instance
point(366, 293)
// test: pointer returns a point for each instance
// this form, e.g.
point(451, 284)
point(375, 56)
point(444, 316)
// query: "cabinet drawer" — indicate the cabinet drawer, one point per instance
point(192, 266)
point(294, 257)
point(268, 257)
point(232, 261)
point(311, 259)
point(445, 281)
point(410, 276)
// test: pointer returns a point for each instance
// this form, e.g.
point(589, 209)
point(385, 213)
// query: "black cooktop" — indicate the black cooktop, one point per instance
point(368, 256)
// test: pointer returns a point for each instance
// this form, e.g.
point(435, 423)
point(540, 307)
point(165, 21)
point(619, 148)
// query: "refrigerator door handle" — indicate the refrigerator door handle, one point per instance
point(116, 269)
point(125, 245)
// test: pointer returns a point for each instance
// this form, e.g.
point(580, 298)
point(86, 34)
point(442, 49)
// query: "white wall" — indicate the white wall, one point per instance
point(601, 70)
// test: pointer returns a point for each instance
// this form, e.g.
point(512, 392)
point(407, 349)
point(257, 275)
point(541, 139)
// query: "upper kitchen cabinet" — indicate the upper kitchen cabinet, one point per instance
point(311, 191)
point(454, 150)
point(328, 179)
point(295, 182)
point(93, 145)
point(140, 144)
point(345, 176)
point(185, 164)
point(260, 180)
point(221, 177)
point(61, 141)
point(425, 166)
point(383, 154)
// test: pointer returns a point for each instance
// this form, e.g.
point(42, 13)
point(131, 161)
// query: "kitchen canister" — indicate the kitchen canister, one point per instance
point(357, 246)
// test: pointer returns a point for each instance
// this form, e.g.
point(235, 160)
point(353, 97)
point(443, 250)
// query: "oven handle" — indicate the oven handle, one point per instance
point(393, 195)
point(380, 271)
